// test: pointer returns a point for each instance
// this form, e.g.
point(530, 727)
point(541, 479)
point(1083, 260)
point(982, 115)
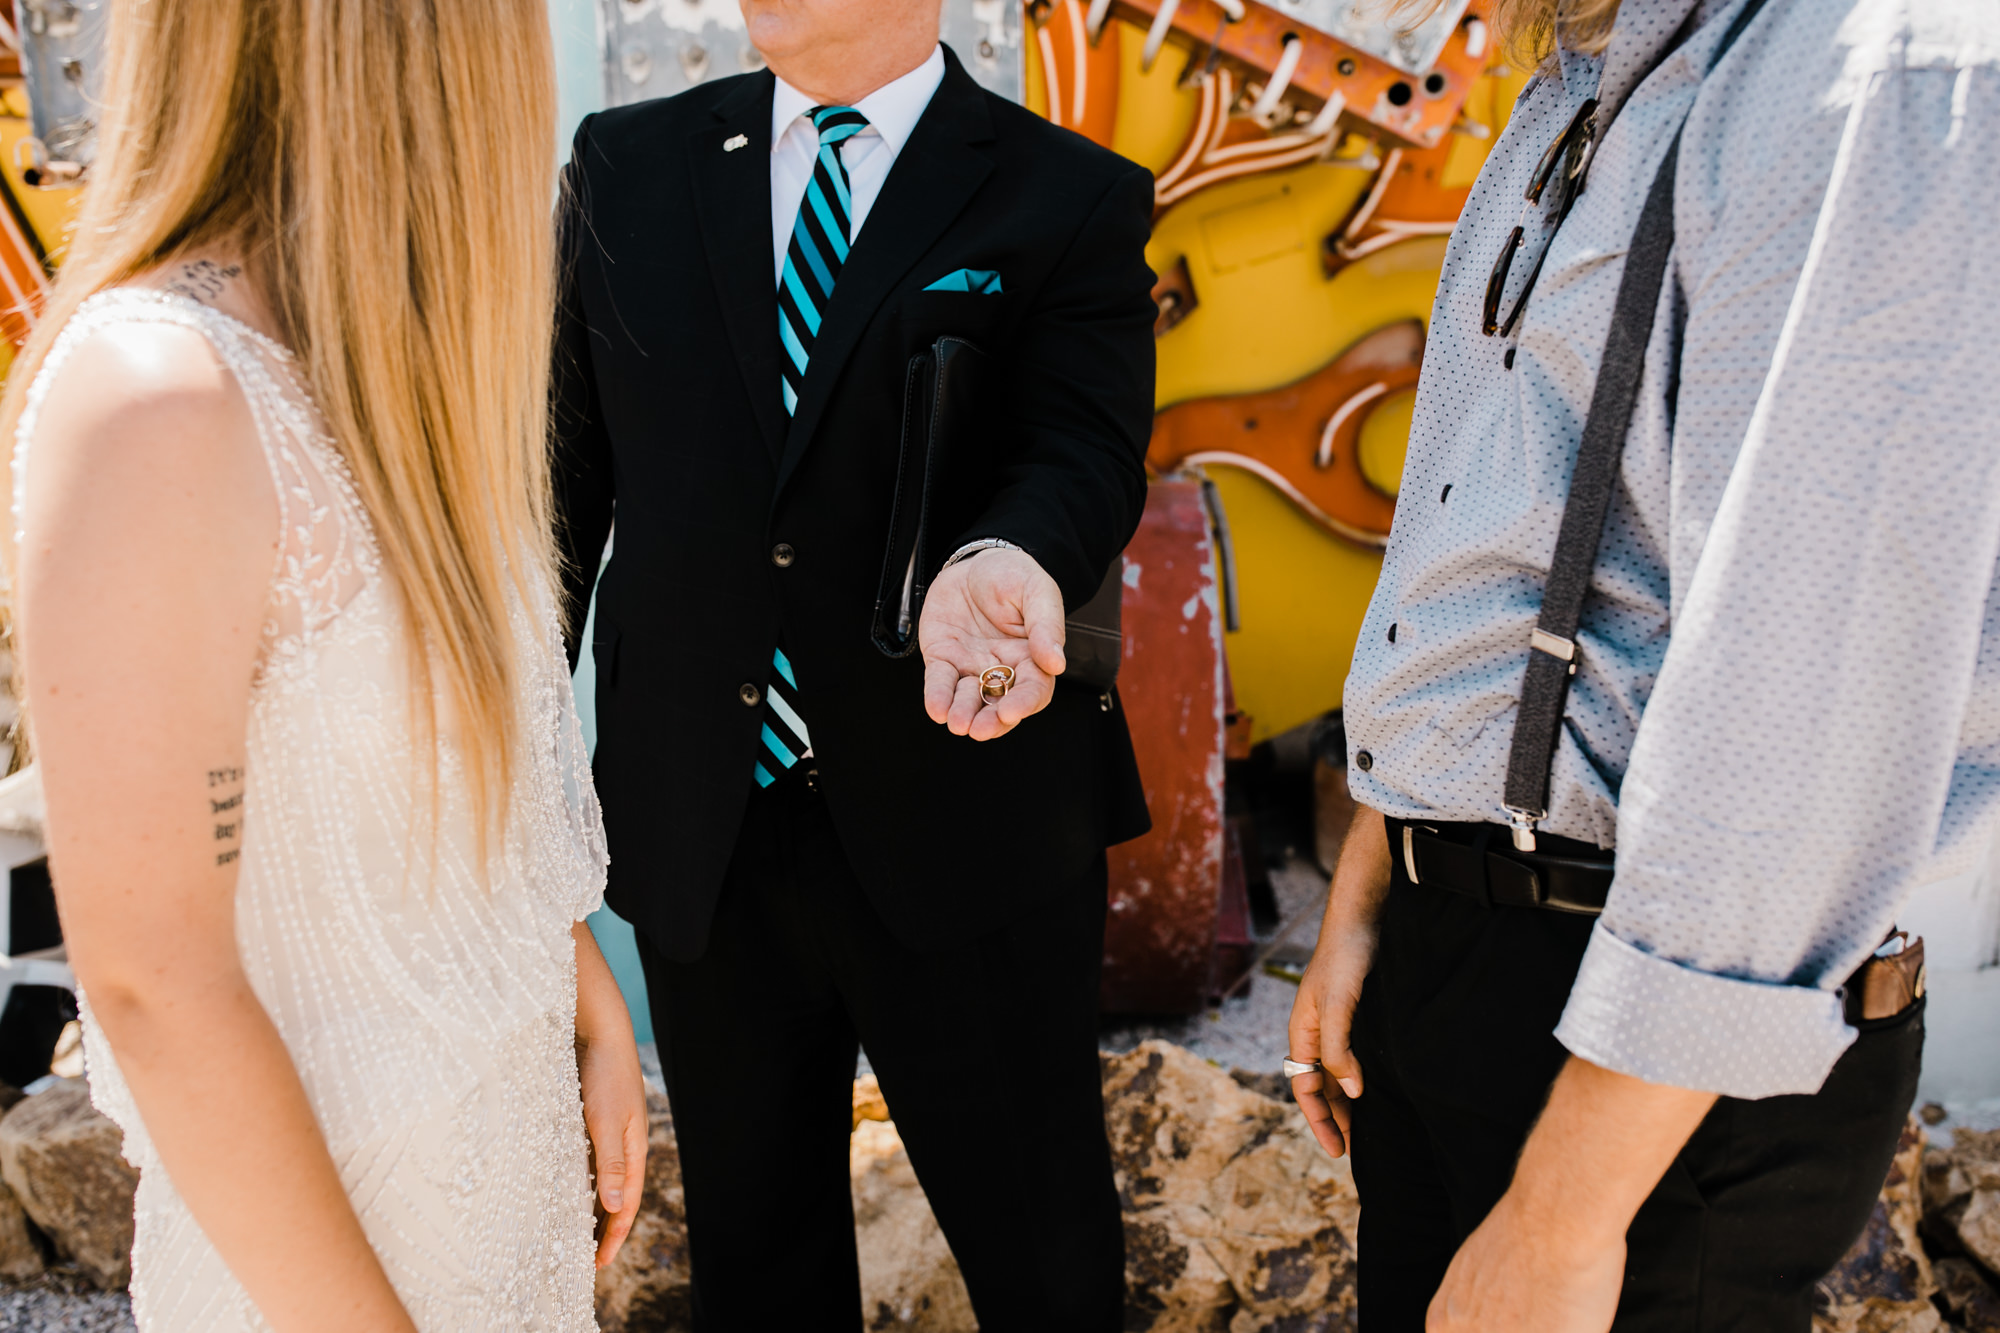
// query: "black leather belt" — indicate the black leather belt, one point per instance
point(1480, 862)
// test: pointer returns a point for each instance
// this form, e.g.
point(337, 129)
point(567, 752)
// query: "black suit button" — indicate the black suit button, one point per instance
point(749, 694)
point(783, 555)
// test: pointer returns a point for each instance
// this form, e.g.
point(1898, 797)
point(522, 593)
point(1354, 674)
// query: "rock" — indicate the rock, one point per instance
point(1272, 1085)
point(646, 1289)
point(909, 1280)
point(1979, 1228)
point(1966, 1296)
point(1962, 1197)
point(20, 1256)
point(1884, 1283)
point(1944, 1184)
point(1234, 1218)
point(62, 1158)
point(869, 1104)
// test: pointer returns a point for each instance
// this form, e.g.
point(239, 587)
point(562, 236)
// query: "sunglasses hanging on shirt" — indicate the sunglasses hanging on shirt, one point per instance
point(1562, 170)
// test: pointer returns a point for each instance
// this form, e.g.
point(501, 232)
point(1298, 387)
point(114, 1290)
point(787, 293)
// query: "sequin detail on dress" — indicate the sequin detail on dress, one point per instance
point(430, 1014)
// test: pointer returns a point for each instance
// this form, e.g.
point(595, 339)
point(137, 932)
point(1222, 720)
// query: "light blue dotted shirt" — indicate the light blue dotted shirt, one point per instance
point(1788, 711)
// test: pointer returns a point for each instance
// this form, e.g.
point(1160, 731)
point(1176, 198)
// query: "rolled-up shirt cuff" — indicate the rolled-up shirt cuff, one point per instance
point(1637, 1014)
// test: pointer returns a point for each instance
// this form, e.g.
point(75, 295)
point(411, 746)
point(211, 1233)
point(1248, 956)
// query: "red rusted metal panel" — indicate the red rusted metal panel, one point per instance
point(1235, 949)
point(1160, 941)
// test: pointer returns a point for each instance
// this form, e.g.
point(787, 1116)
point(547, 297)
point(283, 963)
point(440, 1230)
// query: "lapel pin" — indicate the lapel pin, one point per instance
point(740, 141)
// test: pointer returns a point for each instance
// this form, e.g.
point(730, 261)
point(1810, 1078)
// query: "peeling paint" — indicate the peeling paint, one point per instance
point(1160, 939)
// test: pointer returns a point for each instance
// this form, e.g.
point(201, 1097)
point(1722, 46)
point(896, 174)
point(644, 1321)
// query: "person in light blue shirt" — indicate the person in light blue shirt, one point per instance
point(1670, 1102)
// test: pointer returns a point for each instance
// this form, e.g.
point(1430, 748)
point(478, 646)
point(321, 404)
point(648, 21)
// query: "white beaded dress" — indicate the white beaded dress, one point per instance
point(430, 1012)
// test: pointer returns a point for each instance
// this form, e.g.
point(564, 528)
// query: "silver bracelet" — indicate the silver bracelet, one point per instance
point(973, 548)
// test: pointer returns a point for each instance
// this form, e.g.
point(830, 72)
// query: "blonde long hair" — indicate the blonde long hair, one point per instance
point(387, 166)
point(1529, 29)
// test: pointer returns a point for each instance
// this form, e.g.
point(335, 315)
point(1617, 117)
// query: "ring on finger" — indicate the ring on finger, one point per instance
point(1294, 1068)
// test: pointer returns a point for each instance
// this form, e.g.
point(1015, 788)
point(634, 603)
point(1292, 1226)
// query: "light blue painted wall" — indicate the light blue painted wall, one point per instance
point(579, 66)
point(580, 91)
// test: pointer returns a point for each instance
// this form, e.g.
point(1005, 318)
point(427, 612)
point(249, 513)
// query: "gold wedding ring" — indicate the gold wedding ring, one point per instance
point(994, 682)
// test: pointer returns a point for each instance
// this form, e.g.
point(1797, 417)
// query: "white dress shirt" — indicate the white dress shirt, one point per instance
point(893, 111)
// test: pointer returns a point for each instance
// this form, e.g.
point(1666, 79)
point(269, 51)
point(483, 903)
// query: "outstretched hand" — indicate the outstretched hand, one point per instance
point(995, 608)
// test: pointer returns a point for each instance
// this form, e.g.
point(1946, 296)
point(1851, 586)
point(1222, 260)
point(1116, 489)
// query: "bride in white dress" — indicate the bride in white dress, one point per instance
point(320, 820)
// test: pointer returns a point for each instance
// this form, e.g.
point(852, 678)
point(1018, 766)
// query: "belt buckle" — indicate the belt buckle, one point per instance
point(1513, 882)
point(1553, 903)
point(1553, 899)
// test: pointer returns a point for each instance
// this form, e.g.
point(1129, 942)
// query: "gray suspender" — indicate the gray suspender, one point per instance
point(1552, 655)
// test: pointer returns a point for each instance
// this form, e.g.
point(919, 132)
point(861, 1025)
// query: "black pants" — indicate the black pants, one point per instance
point(1454, 1034)
point(987, 1055)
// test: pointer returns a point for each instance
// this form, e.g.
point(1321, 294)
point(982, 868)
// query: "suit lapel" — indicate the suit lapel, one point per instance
point(934, 177)
point(732, 197)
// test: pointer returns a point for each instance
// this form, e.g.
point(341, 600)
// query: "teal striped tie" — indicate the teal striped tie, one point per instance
point(818, 248)
point(813, 261)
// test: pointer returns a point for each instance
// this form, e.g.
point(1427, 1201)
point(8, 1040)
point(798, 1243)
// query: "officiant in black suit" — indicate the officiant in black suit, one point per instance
point(824, 848)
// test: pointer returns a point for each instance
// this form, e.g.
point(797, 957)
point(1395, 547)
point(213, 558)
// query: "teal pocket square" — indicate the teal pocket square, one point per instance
point(981, 280)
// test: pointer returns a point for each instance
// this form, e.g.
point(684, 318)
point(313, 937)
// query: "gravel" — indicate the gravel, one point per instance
point(62, 1301)
point(1246, 1032)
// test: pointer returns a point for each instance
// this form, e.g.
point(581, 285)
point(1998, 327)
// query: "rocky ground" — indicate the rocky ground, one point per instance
point(1235, 1222)
point(65, 1215)
point(63, 1301)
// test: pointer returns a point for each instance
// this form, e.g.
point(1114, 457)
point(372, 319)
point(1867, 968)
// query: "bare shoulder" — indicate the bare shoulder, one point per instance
point(145, 395)
point(145, 442)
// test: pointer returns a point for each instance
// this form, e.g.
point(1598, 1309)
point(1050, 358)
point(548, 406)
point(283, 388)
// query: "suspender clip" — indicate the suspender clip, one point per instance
point(1523, 823)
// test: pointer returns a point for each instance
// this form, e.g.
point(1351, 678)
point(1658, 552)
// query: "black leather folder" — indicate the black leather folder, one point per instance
point(944, 477)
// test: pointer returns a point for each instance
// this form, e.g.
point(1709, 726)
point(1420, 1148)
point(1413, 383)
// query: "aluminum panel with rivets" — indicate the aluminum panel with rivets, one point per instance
point(656, 48)
point(1369, 25)
point(62, 59)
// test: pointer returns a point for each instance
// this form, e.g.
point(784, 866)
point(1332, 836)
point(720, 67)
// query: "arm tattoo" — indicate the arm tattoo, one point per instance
point(203, 280)
point(225, 787)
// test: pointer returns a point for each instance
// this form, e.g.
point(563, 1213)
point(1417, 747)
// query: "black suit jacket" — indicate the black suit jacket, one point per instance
point(668, 411)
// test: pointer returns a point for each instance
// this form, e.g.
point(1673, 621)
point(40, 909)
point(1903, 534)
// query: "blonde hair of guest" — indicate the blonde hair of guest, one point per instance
point(1529, 29)
point(386, 167)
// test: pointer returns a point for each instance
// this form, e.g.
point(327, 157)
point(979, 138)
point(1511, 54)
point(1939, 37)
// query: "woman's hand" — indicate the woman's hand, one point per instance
point(1323, 1014)
point(614, 1095)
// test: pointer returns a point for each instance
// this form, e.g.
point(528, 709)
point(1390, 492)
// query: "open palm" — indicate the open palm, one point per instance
point(998, 607)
